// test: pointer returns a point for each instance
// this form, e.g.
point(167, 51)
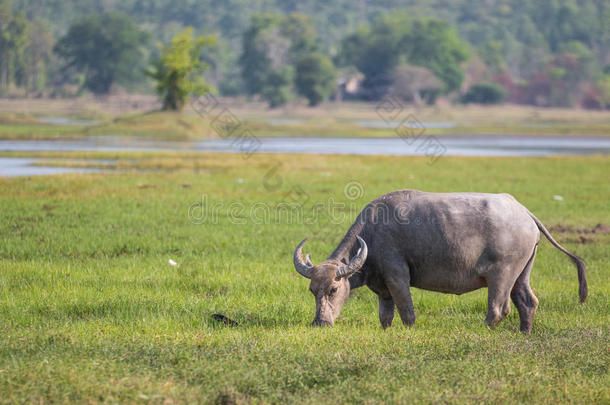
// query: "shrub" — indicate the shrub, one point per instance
point(485, 93)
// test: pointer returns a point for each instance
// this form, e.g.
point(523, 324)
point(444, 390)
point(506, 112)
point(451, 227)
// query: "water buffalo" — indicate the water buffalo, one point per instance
point(445, 242)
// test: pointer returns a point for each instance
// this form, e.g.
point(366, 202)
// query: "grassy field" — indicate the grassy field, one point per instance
point(91, 311)
point(136, 116)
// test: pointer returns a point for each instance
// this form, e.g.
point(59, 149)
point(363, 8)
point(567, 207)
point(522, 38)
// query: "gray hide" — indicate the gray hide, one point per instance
point(451, 243)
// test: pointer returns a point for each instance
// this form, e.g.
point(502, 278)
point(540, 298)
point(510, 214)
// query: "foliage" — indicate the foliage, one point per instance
point(107, 48)
point(435, 45)
point(569, 70)
point(604, 91)
point(491, 54)
point(271, 48)
point(13, 44)
point(277, 88)
point(255, 59)
point(523, 39)
point(178, 71)
point(484, 93)
point(39, 55)
point(414, 84)
point(315, 77)
point(392, 40)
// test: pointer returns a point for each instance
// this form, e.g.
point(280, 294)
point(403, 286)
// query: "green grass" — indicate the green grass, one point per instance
point(91, 311)
point(328, 120)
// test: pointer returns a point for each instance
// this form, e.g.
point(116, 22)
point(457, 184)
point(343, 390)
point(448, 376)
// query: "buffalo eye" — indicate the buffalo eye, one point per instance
point(333, 291)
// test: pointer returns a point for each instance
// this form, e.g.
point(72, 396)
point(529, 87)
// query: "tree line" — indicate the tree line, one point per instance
point(548, 53)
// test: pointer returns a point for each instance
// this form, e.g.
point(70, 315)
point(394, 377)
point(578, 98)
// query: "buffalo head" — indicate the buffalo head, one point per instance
point(329, 281)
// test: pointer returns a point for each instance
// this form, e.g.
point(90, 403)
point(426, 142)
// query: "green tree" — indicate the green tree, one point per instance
point(38, 55)
point(397, 39)
point(255, 59)
point(13, 44)
point(529, 31)
point(178, 71)
point(603, 86)
point(491, 54)
point(378, 49)
point(301, 33)
point(271, 47)
point(315, 77)
point(569, 70)
point(435, 45)
point(6, 17)
point(107, 48)
point(277, 89)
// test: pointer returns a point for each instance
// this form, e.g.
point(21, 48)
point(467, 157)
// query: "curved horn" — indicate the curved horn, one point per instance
point(303, 267)
point(356, 263)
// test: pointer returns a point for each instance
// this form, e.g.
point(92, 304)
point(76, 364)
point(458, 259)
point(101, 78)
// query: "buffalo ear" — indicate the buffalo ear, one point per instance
point(356, 262)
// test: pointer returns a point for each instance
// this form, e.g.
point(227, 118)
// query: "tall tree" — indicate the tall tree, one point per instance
point(396, 39)
point(315, 77)
point(6, 16)
point(435, 45)
point(38, 54)
point(257, 52)
point(178, 72)
point(13, 43)
point(271, 47)
point(107, 48)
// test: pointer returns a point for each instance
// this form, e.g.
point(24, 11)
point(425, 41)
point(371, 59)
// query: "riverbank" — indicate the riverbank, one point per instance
point(49, 119)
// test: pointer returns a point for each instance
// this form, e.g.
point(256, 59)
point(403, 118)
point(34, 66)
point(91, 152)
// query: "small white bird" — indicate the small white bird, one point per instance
point(172, 263)
point(557, 198)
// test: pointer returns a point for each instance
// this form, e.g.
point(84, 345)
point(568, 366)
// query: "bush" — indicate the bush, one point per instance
point(485, 93)
point(277, 89)
point(315, 77)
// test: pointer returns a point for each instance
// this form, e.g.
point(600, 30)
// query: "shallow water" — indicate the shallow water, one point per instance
point(12, 167)
point(67, 121)
point(424, 145)
point(457, 145)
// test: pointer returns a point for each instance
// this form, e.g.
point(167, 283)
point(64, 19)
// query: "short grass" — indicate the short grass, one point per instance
point(91, 311)
point(121, 118)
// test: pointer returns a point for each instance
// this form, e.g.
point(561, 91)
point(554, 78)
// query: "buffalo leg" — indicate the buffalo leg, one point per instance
point(523, 297)
point(397, 280)
point(498, 297)
point(386, 311)
point(498, 306)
